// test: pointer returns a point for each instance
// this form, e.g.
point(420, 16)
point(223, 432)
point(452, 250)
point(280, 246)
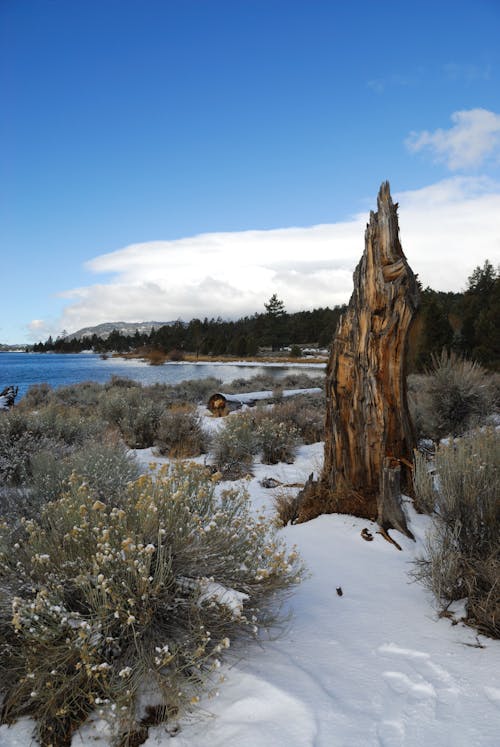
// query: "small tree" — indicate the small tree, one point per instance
point(276, 318)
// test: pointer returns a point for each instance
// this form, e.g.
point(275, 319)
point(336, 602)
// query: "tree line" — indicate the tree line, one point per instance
point(466, 322)
point(273, 329)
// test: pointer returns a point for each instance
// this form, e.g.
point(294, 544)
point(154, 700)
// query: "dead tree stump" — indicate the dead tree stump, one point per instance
point(367, 419)
point(7, 397)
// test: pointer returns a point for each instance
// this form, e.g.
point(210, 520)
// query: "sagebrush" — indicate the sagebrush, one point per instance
point(454, 395)
point(55, 428)
point(96, 599)
point(106, 466)
point(277, 441)
point(234, 447)
point(180, 433)
point(462, 556)
point(304, 413)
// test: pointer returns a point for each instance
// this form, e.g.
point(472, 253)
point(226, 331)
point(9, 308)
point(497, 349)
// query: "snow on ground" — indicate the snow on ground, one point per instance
point(303, 363)
point(247, 397)
point(374, 667)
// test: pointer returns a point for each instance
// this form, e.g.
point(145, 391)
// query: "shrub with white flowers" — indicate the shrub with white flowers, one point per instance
point(277, 440)
point(96, 600)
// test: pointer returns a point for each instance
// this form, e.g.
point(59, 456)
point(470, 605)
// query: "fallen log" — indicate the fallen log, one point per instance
point(221, 405)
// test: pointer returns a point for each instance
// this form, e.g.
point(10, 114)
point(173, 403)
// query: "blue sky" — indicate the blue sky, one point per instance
point(155, 154)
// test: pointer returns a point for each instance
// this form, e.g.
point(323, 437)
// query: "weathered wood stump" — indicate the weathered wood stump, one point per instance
point(367, 419)
point(390, 514)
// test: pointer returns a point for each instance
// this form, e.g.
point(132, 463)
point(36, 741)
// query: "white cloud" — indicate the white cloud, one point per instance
point(447, 229)
point(39, 329)
point(36, 324)
point(474, 136)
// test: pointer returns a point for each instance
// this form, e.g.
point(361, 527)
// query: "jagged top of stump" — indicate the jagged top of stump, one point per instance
point(384, 193)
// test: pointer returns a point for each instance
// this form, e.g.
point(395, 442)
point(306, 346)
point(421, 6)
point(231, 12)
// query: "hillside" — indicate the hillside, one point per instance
point(104, 330)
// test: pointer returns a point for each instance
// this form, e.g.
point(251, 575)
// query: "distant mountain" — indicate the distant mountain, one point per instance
point(12, 348)
point(125, 328)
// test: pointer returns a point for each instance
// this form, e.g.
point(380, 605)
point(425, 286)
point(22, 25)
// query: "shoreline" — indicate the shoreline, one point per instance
point(192, 359)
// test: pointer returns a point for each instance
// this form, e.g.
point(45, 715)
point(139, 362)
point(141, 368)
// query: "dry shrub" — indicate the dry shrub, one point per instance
point(36, 396)
point(303, 380)
point(195, 391)
point(495, 388)
point(234, 447)
point(270, 381)
point(84, 396)
point(277, 394)
point(155, 357)
point(134, 413)
point(121, 382)
point(176, 355)
point(106, 466)
point(462, 556)
point(424, 490)
point(246, 434)
point(306, 413)
point(23, 434)
point(276, 441)
point(286, 507)
point(456, 394)
point(259, 382)
point(180, 433)
point(98, 600)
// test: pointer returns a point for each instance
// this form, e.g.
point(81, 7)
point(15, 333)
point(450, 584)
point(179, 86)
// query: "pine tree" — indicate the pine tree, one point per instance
point(276, 319)
point(479, 314)
point(437, 331)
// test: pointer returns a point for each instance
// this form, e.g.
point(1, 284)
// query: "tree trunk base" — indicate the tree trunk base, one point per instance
point(384, 508)
point(317, 497)
point(390, 514)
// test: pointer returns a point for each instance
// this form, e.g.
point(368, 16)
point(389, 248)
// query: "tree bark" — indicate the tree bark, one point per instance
point(390, 512)
point(367, 416)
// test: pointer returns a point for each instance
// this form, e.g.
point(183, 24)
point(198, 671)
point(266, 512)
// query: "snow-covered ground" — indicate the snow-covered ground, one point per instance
point(246, 397)
point(373, 667)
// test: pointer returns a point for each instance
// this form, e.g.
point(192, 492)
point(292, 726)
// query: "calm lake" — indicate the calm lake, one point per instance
point(25, 369)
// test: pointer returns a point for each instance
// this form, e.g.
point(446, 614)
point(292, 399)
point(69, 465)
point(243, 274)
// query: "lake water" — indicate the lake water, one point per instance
point(25, 369)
